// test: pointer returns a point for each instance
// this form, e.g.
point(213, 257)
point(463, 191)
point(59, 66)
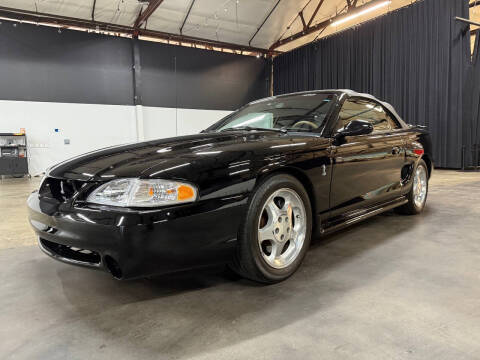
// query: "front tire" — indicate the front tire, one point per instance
point(276, 232)
point(417, 196)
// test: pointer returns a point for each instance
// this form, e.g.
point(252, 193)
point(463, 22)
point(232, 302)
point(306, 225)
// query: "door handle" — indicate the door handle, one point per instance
point(395, 150)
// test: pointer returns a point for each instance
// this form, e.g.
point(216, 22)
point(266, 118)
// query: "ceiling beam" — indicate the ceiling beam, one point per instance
point(303, 20)
point(64, 21)
point(295, 18)
point(320, 3)
point(186, 16)
point(264, 21)
point(322, 25)
point(143, 16)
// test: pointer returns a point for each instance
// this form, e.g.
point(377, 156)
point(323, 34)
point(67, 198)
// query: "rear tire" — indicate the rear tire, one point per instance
point(276, 233)
point(417, 196)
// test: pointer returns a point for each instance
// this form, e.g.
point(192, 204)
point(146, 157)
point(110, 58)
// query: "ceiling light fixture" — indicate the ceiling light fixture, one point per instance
point(360, 13)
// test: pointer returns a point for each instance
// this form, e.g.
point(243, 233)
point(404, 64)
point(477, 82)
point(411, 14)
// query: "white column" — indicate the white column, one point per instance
point(139, 123)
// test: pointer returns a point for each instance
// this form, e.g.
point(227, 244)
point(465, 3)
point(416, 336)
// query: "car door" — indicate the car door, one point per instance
point(367, 168)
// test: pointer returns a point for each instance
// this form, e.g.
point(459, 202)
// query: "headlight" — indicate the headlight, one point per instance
point(143, 193)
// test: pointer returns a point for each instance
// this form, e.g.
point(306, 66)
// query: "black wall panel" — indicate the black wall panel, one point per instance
point(219, 80)
point(175, 76)
point(39, 64)
point(158, 80)
point(414, 58)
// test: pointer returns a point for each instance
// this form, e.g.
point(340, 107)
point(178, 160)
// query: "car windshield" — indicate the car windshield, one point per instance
point(305, 112)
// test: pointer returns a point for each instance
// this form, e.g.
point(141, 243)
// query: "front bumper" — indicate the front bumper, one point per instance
point(132, 244)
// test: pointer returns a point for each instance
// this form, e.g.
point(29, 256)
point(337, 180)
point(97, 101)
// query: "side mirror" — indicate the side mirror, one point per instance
point(354, 128)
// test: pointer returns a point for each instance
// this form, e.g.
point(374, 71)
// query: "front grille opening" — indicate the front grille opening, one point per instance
point(58, 189)
point(73, 253)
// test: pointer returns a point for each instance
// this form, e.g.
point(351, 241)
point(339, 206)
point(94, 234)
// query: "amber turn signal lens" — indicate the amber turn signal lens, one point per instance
point(185, 192)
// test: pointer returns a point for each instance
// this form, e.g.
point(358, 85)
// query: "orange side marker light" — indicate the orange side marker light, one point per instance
point(185, 192)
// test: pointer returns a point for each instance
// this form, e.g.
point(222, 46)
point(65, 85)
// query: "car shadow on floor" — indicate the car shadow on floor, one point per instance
point(186, 313)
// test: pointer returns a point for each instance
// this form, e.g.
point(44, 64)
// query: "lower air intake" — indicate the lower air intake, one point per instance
point(72, 253)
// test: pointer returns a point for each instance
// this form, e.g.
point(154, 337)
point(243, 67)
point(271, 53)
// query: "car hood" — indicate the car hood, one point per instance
point(183, 157)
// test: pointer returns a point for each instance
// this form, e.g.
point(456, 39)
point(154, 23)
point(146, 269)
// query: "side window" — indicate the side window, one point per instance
point(362, 109)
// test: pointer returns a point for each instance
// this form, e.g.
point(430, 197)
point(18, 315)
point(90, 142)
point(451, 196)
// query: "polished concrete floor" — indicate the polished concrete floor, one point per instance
point(393, 287)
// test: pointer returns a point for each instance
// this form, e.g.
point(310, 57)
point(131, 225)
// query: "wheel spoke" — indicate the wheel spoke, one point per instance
point(292, 246)
point(288, 204)
point(275, 256)
point(293, 235)
point(277, 249)
point(272, 210)
point(266, 233)
point(290, 215)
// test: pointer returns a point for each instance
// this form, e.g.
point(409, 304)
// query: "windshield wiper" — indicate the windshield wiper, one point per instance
point(251, 128)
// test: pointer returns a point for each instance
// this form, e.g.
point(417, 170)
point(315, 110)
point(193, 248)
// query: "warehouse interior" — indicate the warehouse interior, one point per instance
point(77, 76)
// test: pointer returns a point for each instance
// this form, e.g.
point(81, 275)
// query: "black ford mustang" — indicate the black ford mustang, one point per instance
point(248, 191)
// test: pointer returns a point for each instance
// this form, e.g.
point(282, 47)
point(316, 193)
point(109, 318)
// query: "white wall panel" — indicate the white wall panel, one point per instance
point(159, 123)
point(192, 121)
point(166, 122)
point(89, 127)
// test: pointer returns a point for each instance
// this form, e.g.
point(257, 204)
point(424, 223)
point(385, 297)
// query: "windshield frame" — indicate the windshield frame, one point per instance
point(219, 124)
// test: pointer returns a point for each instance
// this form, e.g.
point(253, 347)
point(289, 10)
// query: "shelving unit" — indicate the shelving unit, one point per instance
point(13, 154)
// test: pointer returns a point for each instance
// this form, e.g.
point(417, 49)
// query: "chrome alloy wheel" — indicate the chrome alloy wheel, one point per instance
point(420, 186)
point(282, 228)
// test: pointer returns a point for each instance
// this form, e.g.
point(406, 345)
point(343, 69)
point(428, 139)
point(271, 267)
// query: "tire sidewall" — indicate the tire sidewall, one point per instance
point(262, 193)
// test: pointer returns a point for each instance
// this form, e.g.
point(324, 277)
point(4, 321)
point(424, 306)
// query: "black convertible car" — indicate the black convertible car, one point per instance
point(248, 191)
